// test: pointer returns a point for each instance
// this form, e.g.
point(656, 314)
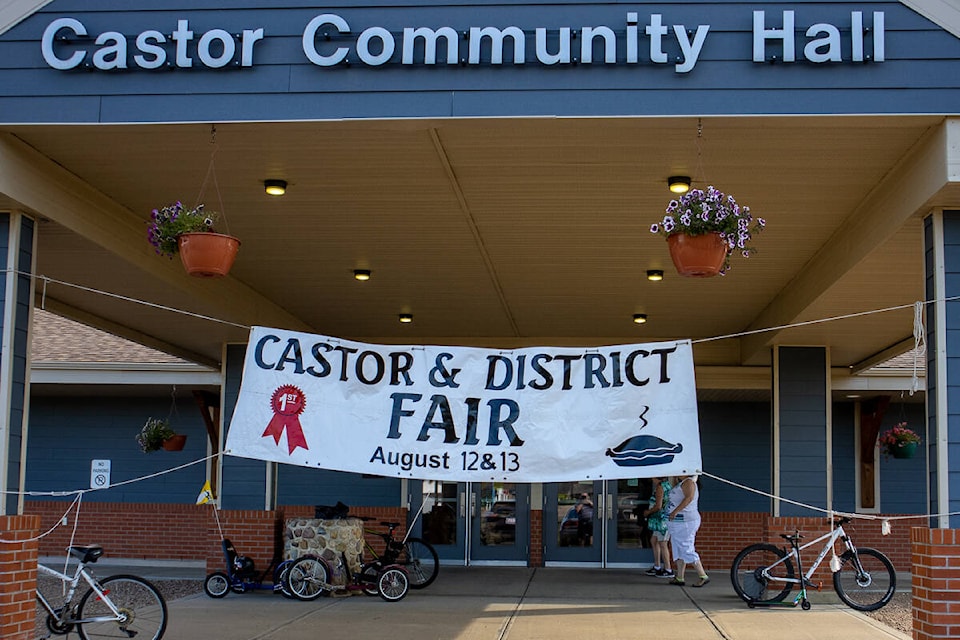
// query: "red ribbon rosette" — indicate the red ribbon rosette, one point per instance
point(287, 404)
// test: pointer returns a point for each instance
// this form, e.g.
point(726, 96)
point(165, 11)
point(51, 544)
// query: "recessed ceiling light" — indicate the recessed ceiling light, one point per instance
point(275, 187)
point(679, 184)
point(640, 318)
point(406, 318)
point(361, 274)
point(654, 275)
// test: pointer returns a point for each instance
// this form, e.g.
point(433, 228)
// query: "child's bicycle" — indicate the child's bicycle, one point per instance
point(415, 555)
point(241, 575)
point(763, 575)
point(121, 606)
point(309, 578)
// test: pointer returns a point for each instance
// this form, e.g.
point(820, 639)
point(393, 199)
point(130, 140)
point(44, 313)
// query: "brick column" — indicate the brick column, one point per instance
point(18, 576)
point(536, 538)
point(936, 583)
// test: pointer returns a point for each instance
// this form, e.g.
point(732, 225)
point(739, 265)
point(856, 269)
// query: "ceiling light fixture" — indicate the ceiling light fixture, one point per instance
point(654, 275)
point(406, 318)
point(640, 318)
point(679, 184)
point(361, 274)
point(275, 187)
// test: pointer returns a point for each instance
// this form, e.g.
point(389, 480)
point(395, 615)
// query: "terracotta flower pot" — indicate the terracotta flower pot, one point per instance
point(207, 255)
point(175, 443)
point(697, 256)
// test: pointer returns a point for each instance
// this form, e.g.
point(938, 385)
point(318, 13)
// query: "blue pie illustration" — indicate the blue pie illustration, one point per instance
point(644, 451)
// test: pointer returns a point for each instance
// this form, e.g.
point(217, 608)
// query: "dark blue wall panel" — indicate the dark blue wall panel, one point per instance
point(803, 418)
point(68, 432)
point(736, 444)
point(300, 485)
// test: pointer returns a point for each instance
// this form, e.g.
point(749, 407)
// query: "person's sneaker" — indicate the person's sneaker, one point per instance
point(653, 571)
point(665, 573)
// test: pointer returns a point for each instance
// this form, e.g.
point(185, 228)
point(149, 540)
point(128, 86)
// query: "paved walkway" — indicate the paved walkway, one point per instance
point(495, 603)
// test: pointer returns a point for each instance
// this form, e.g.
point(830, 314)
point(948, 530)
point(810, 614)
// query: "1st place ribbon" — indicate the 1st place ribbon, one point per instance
point(287, 404)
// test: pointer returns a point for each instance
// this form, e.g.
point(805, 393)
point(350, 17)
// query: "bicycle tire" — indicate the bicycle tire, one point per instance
point(307, 577)
point(142, 605)
point(393, 584)
point(280, 579)
point(746, 578)
point(421, 561)
point(368, 578)
point(866, 591)
point(217, 585)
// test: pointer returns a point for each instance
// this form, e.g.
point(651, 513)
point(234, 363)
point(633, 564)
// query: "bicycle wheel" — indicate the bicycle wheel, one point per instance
point(392, 584)
point(420, 560)
point(280, 579)
point(748, 581)
point(368, 578)
point(870, 585)
point(217, 585)
point(307, 578)
point(143, 611)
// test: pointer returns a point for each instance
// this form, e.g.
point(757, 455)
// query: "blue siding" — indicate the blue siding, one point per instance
point(803, 419)
point(902, 481)
point(844, 444)
point(68, 432)
point(736, 440)
point(920, 74)
point(300, 485)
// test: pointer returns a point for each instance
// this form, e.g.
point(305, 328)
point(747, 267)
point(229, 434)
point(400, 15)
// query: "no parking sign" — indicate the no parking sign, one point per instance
point(99, 474)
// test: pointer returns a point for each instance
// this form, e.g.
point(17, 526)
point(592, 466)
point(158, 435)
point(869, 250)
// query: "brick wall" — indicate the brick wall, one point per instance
point(936, 583)
point(126, 530)
point(536, 539)
point(18, 576)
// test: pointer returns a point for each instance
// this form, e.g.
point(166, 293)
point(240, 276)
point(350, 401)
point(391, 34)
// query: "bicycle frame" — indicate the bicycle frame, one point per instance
point(64, 615)
point(831, 539)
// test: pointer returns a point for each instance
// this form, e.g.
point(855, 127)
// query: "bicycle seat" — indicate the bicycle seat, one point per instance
point(792, 537)
point(392, 525)
point(86, 554)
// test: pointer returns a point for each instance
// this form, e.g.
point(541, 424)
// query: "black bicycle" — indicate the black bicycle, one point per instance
point(415, 555)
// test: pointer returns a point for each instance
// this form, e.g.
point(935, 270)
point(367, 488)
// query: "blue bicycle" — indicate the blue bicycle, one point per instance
point(241, 575)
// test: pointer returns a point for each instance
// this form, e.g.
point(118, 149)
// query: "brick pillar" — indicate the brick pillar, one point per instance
point(18, 576)
point(936, 583)
point(536, 538)
point(255, 534)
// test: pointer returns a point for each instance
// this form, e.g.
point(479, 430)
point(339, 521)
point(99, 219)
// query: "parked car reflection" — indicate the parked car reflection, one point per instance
point(499, 524)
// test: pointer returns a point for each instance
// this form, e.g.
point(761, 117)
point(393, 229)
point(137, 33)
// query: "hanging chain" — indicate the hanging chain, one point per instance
point(212, 173)
point(701, 177)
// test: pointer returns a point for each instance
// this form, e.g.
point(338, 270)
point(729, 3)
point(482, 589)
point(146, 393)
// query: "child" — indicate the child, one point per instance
point(656, 515)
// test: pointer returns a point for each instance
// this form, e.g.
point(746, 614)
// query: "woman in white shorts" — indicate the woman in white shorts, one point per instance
point(684, 520)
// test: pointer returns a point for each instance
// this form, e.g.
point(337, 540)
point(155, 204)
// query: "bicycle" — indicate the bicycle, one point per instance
point(864, 579)
point(416, 555)
point(241, 575)
point(117, 606)
point(309, 577)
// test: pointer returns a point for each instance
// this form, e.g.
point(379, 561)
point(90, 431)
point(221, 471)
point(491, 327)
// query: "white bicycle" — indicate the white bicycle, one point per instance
point(763, 574)
point(121, 606)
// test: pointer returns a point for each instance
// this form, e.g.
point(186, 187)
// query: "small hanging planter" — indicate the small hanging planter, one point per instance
point(697, 256)
point(207, 255)
point(175, 442)
point(904, 451)
point(899, 442)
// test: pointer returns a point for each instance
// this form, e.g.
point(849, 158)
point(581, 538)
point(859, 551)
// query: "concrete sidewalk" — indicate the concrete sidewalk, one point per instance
point(495, 603)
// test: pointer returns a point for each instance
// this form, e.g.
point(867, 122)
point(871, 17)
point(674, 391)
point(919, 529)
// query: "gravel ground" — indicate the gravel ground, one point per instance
point(898, 613)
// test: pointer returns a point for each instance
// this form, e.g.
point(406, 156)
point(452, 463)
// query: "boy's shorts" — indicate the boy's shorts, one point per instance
point(663, 537)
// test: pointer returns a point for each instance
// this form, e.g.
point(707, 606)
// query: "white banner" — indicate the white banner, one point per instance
point(537, 414)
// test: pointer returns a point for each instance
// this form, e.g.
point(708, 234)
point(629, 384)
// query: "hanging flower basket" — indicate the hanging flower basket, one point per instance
point(899, 442)
point(207, 255)
point(701, 219)
point(697, 256)
point(175, 229)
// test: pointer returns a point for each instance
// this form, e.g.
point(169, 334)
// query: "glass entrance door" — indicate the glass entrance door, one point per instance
point(628, 539)
point(573, 522)
point(442, 521)
point(500, 529)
